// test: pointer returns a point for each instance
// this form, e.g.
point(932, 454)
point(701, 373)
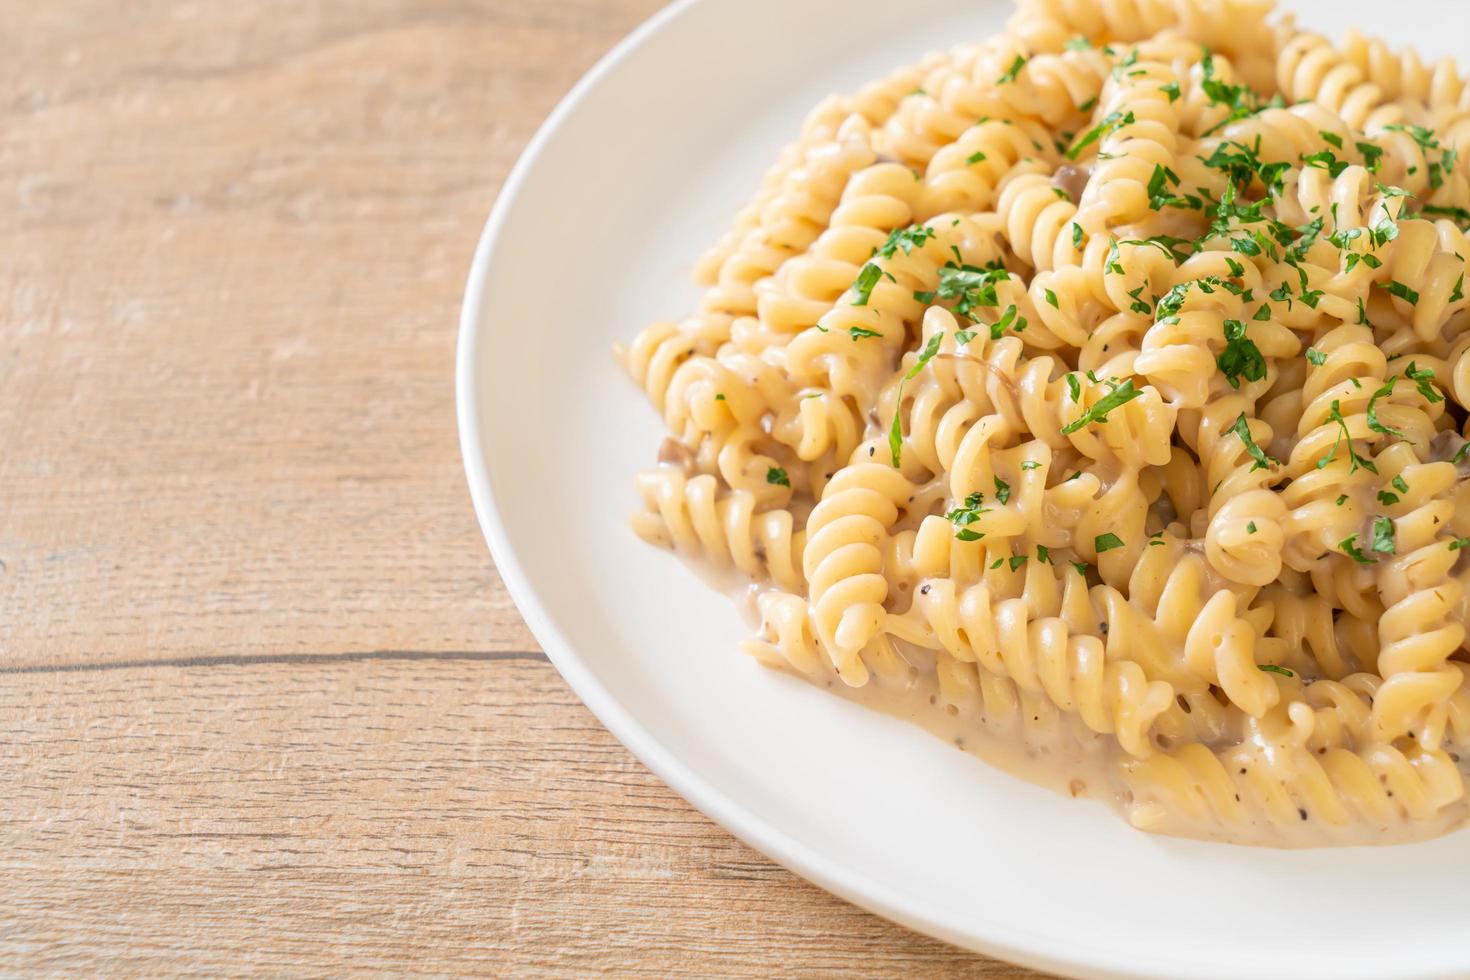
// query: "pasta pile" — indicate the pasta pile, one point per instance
point(1110, 374)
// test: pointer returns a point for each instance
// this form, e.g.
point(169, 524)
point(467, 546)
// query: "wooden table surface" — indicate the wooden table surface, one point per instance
point(265, 706)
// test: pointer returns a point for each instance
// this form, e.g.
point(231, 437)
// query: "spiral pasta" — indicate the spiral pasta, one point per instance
point(1100, 389)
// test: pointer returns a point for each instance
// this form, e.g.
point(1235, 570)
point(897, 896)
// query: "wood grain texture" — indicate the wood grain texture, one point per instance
point(264, 704)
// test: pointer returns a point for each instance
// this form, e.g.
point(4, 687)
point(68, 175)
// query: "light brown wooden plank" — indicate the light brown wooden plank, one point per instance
point(230, 290)
point(232, 242)
point(380, 814)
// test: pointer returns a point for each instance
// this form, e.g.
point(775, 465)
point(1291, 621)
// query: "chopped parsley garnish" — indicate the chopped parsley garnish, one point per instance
point(1403, 292)
point(1464, 451)
point(1043, 554)
point(1031, 464)
point(1016, 561)
point(966, 514)
point(1437, 169)
point(777, 476)
point(1274, 669)
point(1423, 379)
point(1385, 392)
point(1012, 319)
point(1111, 122)
point(866, 282)
point(1459, 292)
point(1349, 547)
point(1239, 99)
point(895, 431)
point(974, 158)
point(963, 337)
point(907, 239)
point(1250, 527)
point(1002, 491)
point(1081, 567)
point(1171, 90)
point(1372, 156)
point(1315, 357)
point(1160, 195)
point(858, 333)
point(1355, 460)
point(1120, 395)
point(1383, 536)
point(1241, 357)
point(1328, 161)
point(968, 286)
point(1242, 429)
point(1076, 236)
point(1051, 299)
point(1012, 71)
point(1458, 215)
point(1106, 542)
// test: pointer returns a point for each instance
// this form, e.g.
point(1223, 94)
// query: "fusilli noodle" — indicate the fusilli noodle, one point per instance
point(1105, 384)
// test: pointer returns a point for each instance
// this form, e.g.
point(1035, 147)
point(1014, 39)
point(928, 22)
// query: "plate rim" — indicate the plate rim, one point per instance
point(1033, 949)
point(729, 813)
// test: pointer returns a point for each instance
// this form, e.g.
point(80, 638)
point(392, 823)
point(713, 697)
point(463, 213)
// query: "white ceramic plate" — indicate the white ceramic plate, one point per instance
point(638, 170)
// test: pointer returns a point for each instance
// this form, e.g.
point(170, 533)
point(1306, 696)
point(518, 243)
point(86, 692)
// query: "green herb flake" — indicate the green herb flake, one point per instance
point(1111, 122)
point(1242, 429)
point(866, 282)
point(1423, 379)
point(1119, 396)
point(1012, 71)
point(1107, 542)
point(895, 431)
point(777, 477)
point(1354, 459)
point(1315, 357)
point(1241, 357)
point(1349, 547)
point(1002, 491)
point(1373, 423)
point(1383, 531)
point(905, 240)
point(1403, 292)
point(1274, 669)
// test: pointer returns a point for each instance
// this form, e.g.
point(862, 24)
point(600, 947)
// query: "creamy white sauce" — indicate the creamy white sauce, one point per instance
point(1066, 757)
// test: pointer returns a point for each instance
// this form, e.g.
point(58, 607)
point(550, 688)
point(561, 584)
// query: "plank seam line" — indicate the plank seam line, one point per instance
point(253, 660)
